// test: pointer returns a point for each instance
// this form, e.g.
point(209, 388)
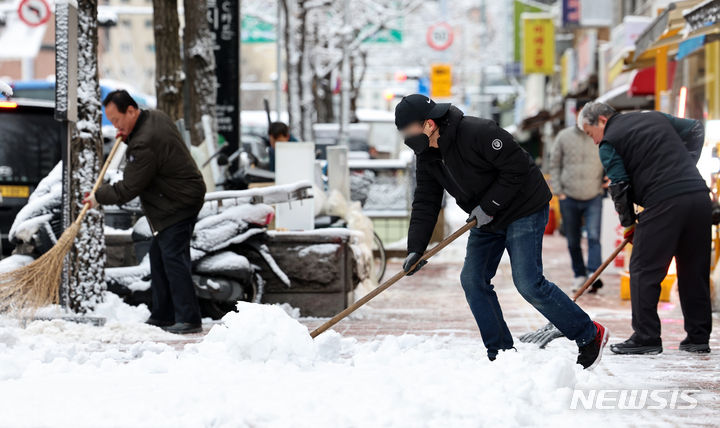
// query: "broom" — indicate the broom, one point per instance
point(37, 284)
point(549, 332)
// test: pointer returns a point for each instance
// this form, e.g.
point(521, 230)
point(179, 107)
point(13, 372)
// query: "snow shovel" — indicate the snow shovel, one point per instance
point(549, 332)
point(395, 278)
point(37, 284)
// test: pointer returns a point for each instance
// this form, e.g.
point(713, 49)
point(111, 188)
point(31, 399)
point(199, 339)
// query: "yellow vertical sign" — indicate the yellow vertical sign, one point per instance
point(441, 81)
point(538, 43)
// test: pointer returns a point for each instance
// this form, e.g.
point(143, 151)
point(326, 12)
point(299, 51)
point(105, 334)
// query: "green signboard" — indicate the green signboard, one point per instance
point(255, 30)
point(521, 7)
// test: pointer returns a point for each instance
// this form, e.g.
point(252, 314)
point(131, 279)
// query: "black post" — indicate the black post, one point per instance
point(224, 20)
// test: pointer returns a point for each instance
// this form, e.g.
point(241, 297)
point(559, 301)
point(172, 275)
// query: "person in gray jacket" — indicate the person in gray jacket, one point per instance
point(577, 178)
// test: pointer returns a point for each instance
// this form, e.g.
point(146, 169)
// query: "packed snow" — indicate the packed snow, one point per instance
point(259, 367)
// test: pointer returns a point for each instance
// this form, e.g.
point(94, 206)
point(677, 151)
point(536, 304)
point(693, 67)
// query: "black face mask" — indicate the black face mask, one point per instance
point(418, 143)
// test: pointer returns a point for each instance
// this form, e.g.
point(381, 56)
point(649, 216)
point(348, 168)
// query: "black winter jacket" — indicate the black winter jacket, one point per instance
point(478, 163)
point(659, 163)
point(161, 171)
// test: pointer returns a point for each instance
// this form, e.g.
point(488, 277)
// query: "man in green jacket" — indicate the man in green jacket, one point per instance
point(160, 170)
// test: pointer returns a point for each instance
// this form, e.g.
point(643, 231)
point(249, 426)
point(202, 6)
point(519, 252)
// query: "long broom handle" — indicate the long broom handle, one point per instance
point(600, 270)
point(100, 178)
point(350, 309)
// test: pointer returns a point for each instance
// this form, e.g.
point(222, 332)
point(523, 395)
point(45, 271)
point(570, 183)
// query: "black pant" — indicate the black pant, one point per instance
point(173, 292)
point(679, 227)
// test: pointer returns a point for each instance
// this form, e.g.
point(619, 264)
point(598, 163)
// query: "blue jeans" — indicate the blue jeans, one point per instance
point(523, 240)
point(573, 211)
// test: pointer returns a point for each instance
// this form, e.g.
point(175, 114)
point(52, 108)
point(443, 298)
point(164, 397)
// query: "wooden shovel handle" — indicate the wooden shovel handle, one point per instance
point(100, 178)
point(395, 278)
point(600, 270)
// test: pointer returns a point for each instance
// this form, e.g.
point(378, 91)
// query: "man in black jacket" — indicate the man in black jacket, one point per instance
point(650, 158)
point(496, 182)
point(161, 171)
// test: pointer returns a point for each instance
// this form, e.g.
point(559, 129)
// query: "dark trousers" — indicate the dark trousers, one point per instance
point(523, 241)
point(173, 292)
point(679, 227)
point(573, 212)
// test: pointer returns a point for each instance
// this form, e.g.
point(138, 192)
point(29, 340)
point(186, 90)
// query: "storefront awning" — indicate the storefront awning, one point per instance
point(665, 30)
point(694, 44)
point(620, 99)
point(701, 18)
point(643, 80)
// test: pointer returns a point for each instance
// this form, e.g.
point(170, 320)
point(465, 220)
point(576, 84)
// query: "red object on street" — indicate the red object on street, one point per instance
point(551, 224)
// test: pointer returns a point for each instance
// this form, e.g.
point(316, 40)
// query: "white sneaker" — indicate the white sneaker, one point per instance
point(578, 282)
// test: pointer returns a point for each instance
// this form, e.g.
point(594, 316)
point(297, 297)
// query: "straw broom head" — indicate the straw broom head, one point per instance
point(30, 287)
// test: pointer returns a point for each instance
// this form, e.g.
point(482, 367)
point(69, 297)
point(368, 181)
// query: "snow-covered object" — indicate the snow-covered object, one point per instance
point(129, 276)
point(215, 232)
point(269, 194)
point(223, 261)
point(14, 261)
point(5, 89)
point(260, 333)
point(46, 197)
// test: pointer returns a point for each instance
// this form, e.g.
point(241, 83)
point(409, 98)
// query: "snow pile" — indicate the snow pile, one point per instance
point(261, 368)
point(259, 333)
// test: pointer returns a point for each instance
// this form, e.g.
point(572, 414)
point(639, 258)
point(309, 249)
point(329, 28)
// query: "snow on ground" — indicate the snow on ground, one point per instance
point(261, 368)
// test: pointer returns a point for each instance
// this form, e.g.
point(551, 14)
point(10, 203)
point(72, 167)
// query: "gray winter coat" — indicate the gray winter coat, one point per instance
point(575, 167)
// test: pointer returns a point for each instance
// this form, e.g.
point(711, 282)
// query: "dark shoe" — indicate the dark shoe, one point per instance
point(700, 348)
point(159, 323)
point(598, 284)
point(633, 346)
point(493, 356)
point(590, 355)
point(184, 328)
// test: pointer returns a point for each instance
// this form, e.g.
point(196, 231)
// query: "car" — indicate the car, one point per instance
point(45, 90)
point(30, 146)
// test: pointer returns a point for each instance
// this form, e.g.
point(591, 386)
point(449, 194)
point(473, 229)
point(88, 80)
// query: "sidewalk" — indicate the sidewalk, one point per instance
point(432, 303)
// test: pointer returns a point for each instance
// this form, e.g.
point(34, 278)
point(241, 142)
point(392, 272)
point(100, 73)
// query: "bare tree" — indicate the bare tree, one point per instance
point(200, 69)
point(169, 75)
point(87, 274)
point(315, 35)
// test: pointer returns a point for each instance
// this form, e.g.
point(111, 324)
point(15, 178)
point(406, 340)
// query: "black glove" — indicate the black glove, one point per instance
point(410, 260)
point(715, 213)
point(621, 194)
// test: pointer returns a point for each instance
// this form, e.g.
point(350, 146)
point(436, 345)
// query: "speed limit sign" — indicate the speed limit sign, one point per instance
point(440, 36)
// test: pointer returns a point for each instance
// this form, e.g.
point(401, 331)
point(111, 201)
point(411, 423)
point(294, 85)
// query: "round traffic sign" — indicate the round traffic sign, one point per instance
point(440, 36)
point(34, 12)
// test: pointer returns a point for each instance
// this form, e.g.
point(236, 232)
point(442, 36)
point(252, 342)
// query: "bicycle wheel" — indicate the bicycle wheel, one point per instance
point(379, 258)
